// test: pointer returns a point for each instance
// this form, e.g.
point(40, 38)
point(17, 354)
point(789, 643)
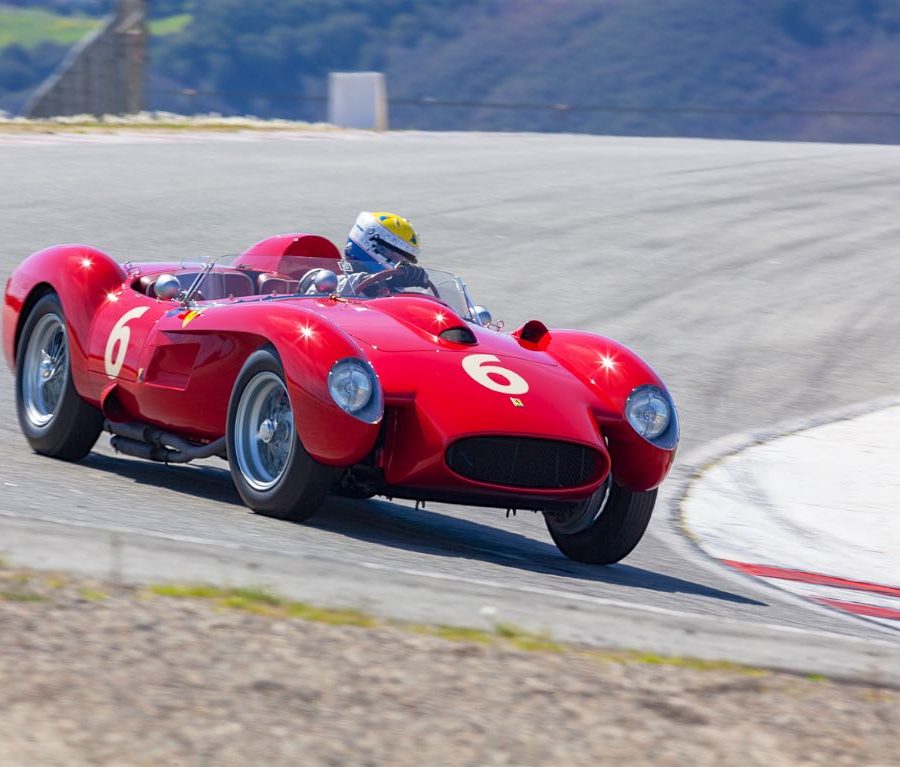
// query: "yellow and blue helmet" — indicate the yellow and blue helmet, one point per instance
point(384, 238)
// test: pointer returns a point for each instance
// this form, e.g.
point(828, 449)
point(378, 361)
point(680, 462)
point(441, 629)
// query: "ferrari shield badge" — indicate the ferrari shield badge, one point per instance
point(189, 316)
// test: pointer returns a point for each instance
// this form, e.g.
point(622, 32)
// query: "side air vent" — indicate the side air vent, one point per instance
point(460, 335)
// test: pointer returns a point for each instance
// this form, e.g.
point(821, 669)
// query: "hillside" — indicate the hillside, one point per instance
point(830, 55)
point(654, 55)
point(641, 67)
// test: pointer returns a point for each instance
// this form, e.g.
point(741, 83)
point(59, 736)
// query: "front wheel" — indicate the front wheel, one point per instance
point(273, 473)
point(606, 527)
point(53, 417)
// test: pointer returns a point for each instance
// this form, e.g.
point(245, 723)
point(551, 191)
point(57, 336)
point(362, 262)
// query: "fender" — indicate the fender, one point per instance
point(81, 276)
point(611, 371)
point(308, 345)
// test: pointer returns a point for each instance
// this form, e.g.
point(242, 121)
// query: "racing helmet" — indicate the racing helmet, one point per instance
point(383, 238)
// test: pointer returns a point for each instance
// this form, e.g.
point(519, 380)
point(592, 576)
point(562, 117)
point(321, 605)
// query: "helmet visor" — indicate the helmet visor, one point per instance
point(390, 251)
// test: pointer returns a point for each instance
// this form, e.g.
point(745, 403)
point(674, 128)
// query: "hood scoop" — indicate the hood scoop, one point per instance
point(406, 322)
point(532, 335)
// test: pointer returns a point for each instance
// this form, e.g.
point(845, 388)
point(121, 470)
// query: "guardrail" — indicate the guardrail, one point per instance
point(202, 98)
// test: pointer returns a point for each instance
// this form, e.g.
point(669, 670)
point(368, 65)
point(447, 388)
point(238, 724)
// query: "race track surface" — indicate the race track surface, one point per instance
point(759, 279)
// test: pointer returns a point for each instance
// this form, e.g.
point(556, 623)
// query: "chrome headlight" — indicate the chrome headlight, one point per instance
point(354, 388)
point(651, 413)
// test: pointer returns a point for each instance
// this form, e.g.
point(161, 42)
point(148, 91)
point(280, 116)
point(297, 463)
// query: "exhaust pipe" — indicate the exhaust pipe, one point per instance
point(144, 441)
point(144, 450)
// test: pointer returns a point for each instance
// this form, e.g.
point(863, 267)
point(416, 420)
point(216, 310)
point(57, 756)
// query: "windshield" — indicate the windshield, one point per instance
point(231, 277)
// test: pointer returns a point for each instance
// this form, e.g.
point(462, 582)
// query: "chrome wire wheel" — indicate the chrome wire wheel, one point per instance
point(264, 431)
point(45, 370)
point(580, 516)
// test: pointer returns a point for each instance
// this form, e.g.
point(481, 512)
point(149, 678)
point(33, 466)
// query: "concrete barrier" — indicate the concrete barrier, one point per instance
point(358, 100)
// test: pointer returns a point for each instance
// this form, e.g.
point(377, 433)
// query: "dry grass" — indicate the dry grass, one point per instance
point(262, 602)
point(154, 122)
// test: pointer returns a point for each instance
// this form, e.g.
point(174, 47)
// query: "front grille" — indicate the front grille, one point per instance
point(523, 462)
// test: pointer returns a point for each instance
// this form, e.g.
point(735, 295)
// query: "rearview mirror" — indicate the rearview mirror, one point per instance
point(482, 316)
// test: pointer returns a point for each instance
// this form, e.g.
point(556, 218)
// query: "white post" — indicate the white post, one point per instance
point(357, 100)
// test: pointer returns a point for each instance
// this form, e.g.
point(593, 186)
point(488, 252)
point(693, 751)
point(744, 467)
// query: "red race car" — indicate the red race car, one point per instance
point(311, 376)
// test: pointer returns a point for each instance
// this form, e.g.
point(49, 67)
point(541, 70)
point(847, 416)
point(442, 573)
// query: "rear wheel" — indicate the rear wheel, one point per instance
point(606, 527)
point(273, 473)
point(55, 420)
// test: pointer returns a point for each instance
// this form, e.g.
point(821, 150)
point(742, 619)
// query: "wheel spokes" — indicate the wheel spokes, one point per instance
point(264, 431)
point(45, 370)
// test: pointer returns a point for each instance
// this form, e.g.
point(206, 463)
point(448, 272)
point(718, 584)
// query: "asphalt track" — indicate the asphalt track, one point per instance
point(759, 279)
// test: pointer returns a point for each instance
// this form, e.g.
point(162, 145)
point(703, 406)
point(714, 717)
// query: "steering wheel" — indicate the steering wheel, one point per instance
point(380, 277)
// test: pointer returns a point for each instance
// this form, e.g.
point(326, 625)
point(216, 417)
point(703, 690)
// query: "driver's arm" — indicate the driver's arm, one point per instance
point(407, 275)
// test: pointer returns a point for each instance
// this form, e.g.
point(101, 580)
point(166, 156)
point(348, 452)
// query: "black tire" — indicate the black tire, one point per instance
point(68, 428)
point(289, 485)
point(613, 534)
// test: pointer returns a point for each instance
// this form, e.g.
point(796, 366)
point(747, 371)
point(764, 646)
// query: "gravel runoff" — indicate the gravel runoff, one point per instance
point(95, 673)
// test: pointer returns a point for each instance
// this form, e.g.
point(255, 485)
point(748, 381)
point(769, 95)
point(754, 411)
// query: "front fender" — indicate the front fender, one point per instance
point(308, 346)
point(612, 371)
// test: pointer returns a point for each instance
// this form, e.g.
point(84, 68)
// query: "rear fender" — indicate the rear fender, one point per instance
point(81, 276)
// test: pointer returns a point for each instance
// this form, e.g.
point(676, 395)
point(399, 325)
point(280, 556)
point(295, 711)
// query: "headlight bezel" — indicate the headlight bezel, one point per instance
point(373, 408)
point(667, 438)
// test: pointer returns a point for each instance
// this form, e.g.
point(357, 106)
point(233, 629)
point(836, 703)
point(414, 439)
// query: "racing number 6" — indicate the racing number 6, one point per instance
point(479, 368)
point(117, 344)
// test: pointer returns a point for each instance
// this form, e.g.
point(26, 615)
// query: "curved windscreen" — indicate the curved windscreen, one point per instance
point(296, 276)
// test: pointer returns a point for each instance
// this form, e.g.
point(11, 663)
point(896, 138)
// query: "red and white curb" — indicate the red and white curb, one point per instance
point(816, 513)
point(873, 600)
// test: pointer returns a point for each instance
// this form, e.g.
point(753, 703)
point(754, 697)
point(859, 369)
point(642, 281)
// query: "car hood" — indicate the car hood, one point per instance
point(409, 323)
point(495, 385)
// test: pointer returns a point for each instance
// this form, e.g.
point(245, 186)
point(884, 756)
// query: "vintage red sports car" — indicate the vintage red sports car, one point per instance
point(311, 376)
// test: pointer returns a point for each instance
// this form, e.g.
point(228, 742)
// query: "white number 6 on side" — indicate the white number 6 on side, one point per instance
point(117, 344)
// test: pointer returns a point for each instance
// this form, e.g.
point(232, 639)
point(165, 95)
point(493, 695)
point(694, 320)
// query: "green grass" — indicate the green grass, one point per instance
point(30, 26)
point(92, 595)
point(20, 596)
point(653, 659)
point(18, 591)
point(260, 602)
point(169, 25)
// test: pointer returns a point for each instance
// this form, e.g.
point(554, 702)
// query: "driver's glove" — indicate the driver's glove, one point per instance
point(408, 275)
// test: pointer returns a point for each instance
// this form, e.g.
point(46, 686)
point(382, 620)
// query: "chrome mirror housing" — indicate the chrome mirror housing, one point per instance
point(166, 287)
point(482, 316)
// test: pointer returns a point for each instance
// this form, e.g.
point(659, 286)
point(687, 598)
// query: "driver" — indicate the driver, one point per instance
point(385, 241)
